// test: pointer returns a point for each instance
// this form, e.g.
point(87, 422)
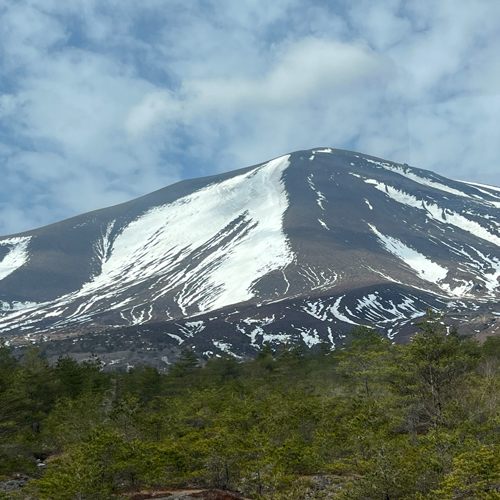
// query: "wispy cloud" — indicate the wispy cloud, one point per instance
point(102, 101)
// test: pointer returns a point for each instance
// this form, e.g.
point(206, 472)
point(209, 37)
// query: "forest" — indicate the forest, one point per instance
point(379, 420)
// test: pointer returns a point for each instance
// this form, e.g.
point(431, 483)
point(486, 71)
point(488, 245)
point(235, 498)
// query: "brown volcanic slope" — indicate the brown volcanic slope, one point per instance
point(299, 248)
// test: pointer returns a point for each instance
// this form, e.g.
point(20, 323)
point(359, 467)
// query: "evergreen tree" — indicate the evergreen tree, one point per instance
point(435, 364)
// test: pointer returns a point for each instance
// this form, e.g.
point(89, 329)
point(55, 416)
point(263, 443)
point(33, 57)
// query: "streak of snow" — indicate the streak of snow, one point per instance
point(104, 244)
point(114, 361)
point(276, 337)
point(316, 309)
point(225, 347)
point(318, 279)
point(191, 328)
point(380, 314)
point(477, 184)
point(368, 203)
point(458, 291)
point(261, 321)
point(286, 281)
point(336, 312)
point(490, 279)
point(16, 306)
point(383, 275)
point(407, 172)
point(330, 338)
point(254, 333)
point(496, 204)
point(17, 255)
point(323, 224)
point(320, 197)
point(437, 213)
point(139, 318)
point(176, 337)
point(56, 312)
point(424, 267)
point(196, 325)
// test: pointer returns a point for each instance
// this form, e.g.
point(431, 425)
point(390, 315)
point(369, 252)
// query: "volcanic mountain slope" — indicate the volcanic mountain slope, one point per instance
point(302, 247)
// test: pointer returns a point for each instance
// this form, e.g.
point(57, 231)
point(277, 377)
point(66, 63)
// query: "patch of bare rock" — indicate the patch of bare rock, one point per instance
point(186, 495)
point(324, 487)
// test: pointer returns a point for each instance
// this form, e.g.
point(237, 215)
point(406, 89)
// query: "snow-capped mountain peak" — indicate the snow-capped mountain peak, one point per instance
point(303, 246)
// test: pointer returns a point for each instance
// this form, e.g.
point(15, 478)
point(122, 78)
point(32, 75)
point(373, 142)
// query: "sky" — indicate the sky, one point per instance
point(102, 101)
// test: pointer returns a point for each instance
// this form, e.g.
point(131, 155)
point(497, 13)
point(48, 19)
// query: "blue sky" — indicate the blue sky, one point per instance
point(102, 101)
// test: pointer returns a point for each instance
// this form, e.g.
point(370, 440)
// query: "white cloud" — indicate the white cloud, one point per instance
point(104, 100)
point(459, 136)
point(305, 70)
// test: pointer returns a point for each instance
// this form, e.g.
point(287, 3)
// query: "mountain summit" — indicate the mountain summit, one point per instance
point(302, 247)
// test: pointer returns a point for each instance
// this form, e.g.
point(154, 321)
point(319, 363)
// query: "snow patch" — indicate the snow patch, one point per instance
point(225, 347)
point(176, 337)
point(16, 306)
point(323, 224)
point(310, 336)
point(16, 257)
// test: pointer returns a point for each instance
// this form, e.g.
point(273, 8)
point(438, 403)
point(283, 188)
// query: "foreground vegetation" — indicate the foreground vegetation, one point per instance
point(420, 421)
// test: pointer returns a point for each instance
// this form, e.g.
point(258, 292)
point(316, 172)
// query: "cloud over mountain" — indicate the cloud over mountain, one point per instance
point(105, 101)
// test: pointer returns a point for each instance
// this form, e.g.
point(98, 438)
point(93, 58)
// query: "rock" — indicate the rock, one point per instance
point(14, 483)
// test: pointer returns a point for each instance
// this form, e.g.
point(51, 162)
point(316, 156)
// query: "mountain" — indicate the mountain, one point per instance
point(302, 247)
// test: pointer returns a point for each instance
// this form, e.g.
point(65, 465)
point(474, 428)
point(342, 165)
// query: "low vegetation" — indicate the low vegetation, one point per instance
point(379, 420)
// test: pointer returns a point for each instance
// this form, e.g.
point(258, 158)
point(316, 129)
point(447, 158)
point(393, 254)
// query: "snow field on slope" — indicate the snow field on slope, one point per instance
point(157, 243)
point(16, 257)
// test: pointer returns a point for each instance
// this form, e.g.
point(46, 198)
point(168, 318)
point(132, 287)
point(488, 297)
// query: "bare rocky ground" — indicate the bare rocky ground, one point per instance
point(313, 487)
point(186, 495)
point(14, 483)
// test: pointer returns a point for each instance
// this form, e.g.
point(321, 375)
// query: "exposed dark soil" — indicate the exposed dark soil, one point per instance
point(185, 495)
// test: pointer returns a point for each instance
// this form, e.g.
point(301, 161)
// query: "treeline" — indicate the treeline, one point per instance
point(384, 421)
